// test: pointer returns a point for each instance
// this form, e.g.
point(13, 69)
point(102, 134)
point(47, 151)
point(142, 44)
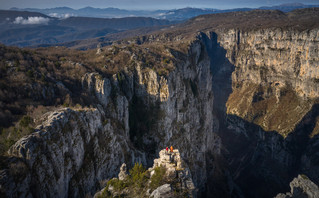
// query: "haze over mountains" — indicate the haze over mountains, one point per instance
point(174, 14)
point(53, 26)
point(22, 28)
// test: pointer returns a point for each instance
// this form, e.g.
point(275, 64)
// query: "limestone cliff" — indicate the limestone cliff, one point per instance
point(138, 111)
point(67, 155)
point(275, 79)
point(240, 104)
point(174, 109)
point(262, 73)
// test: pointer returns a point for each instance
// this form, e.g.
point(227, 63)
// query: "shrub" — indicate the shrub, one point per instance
point(30, 73)
point(158, 178)
point(25, 121)
point(117, 184)
point(166, 61)
point(138, 175)
point(105, 193)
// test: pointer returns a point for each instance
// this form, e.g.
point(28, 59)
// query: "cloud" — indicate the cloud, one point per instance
point(31, 20)
point(62, 16)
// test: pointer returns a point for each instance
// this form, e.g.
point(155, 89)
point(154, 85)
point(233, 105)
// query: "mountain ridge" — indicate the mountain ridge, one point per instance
point(23, 28)
point(174, 14)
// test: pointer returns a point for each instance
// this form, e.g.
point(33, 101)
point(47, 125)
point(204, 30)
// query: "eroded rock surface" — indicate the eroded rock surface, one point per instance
point(301, 187)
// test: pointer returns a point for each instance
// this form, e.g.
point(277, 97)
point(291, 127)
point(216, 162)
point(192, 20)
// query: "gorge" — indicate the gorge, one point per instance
point(235, 93)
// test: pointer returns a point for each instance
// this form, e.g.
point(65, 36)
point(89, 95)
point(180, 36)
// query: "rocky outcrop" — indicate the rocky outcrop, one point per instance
point(138, 111)
point(169, 177)
point(123, 172)
point(67, 156)
point(301, 187)
point(164, 191)
point(176, 168)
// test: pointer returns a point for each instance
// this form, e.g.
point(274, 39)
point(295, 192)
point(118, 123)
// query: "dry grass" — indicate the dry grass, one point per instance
point(272, 115)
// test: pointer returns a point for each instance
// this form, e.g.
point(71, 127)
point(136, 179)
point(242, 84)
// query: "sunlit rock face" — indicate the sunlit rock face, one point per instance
point(138, 113)
point(267, 126)
point(68, 154)
point(240, 106)
point(276, 79)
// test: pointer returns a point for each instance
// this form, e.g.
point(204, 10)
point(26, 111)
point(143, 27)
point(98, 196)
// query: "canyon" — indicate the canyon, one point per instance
point(235, 93)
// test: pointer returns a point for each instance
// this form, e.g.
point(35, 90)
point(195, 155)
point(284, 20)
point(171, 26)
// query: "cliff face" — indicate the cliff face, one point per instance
point(139, 112)
point(241, 107)
point(167, 110)
point(271, 76)
point(276, 72)
point(67, 155)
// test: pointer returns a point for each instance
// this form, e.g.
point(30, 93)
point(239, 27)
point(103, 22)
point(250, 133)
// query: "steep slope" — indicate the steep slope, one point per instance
point(160, 98)
point(235, 93)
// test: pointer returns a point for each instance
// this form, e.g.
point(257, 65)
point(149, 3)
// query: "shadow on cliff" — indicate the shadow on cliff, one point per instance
point(259, 163)
point(263, 163)
point(221, 70)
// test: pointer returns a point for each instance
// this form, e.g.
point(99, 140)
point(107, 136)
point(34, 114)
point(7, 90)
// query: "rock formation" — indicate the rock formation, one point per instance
point(66, 154)
point(123, 172)
point(239, 102)
point(301, 187)
point(176, 168)
point(169, 168)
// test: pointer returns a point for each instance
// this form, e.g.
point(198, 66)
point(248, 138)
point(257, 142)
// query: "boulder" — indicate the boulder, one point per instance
point(123, 172)
point(162, 191)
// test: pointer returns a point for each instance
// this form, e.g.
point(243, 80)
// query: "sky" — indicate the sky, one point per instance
point(147, 4)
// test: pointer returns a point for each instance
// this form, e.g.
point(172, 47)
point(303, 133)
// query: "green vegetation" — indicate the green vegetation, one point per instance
point(25, 121)
point(304, 176)
point(166, 61)
point(139, 182)
point(158, 178)
point(9, 136)
point(135, 182)
point(138, 175)
point(117, 184)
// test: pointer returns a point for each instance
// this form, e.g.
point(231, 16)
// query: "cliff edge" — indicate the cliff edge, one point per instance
point(169, 177)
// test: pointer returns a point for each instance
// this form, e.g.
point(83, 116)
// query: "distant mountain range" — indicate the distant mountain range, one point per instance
point(42, 27)
point(176, 14)
point(23, 28)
